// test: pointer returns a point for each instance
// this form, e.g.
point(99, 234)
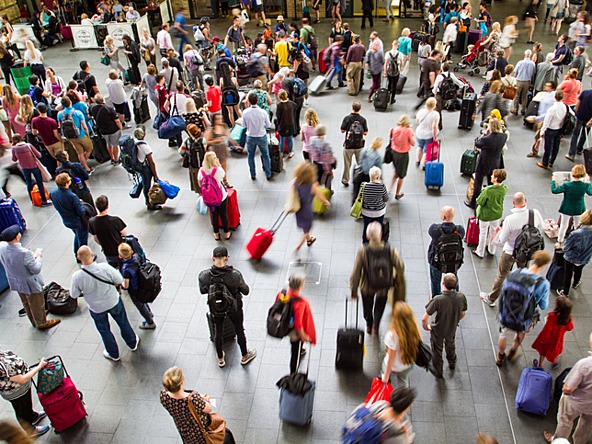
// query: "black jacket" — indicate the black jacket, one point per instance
point(491, 146)
point(233, 279)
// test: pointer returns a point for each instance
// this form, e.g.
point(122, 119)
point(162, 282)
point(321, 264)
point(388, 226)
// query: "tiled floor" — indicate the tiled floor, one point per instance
point(122, 398)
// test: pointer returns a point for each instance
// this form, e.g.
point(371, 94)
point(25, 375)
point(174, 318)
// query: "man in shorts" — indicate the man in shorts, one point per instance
point(47, 128)
point(82, 144)
point(109, 126)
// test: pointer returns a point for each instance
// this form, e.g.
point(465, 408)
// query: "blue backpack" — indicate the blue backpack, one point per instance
point(362, 427)
point(128, 155)
point(517, 302)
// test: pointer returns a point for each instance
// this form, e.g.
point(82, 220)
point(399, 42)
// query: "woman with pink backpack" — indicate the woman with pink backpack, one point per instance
point(213, 192)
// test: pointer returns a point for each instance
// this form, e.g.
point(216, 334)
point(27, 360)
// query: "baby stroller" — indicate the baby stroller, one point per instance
point(476, 56)
point(241, 58)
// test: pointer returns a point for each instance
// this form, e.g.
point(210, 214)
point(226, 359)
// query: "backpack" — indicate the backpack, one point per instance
point(298, 86)
point(529, 241)
point(362, 427)
point(568, 58)
point(128, 155)
point(32, 93)
point(489, 21)
point(280, 317)
point(197, 34)
point(569, 122)
point(76, 187)
point(355, 135)
point(133, 242)
point(447, 88)
point(196, 59)
point(210, 190)
point(220, 300)
point(306, 63)
point(81, 82)
point(89, 210)
point(517, 302)
point(311, 41)
point(392, 69)
point(149, 281)
point(449, 251)
point(254, 68)
point(69, 128)
point(379, 270)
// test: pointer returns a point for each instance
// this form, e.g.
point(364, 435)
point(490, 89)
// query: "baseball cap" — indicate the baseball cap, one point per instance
point(215, 39)
point(219, 252)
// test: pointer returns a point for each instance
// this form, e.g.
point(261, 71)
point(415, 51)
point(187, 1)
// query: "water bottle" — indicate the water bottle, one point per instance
point(79, 183)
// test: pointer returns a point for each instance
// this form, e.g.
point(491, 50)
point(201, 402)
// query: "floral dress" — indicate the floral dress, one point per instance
point(187, 425)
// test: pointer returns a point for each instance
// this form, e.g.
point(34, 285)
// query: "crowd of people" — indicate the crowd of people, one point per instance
point(57, 127)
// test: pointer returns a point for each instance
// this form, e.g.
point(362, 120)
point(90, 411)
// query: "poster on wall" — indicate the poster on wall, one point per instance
point(164, 12)
point(84, 36)
point(118, 30)
point(143, 24)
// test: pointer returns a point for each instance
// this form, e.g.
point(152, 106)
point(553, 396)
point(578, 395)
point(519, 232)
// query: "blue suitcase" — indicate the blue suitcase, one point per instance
point(297, 409)
point(534, 391)
point(10, 214)
point(434, 175)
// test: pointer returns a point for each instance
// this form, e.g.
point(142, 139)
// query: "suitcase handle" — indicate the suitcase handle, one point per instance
point(300, 356)
point(66, 374)
point(357, 311)
point(278, 222)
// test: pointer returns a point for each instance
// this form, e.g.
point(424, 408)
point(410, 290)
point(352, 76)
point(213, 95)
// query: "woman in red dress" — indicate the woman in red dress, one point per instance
point(549, 342)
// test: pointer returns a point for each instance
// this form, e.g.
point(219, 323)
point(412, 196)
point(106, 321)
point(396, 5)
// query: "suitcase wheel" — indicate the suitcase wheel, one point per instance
point(456, 69)
point(470, 73)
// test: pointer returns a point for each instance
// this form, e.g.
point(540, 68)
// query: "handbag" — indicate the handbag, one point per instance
point(215, 433)
point(470, 189)
point(509, 92)
point(293, 200)
point(388, 151)
point(424, 355)
point(3, 115)
point(156, 195)
point(379, 391)
point(45, 176)
point(173, 126)
point(171, 191)
point(185, 163)
point(356, 209)
point(51, 376)
point(105, 60)
point(202, 208)
point(136, 189)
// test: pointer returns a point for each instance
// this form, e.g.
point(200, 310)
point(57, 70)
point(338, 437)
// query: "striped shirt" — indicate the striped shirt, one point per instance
point(375, 199)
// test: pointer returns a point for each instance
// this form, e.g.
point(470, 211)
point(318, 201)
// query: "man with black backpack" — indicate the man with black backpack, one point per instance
point(78, 177)
point(446, 250)
point(563, 56)
point(86, 81)
point(522, 292)
point(377, 269)
point(355, 127)
point(521, 236)
point(225, 286)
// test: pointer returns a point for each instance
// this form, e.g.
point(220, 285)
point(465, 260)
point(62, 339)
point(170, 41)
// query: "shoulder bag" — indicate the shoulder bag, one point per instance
point(104, 281)
point(215, 433)
point(173, 126)
point(293, 200)
point(388, 150)
point(106, 60)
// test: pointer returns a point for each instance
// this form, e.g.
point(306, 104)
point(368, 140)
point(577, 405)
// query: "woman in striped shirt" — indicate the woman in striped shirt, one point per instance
point(374, 199)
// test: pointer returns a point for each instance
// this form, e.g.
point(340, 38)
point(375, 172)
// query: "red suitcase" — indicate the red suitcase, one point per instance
point(233, 210)
point(323, 68)
point(64, 406)
point(263, 238)
point(66, 32)
point(472, 236)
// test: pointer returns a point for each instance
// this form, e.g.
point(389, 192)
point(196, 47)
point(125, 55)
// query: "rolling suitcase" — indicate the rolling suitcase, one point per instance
point(556, 270)
point(350, 344)
point(239, 134)
point(468, 162)
point(126, 114)
point(318, 207)
point(277, 161)
point(467, 109)
point(461, 43)
point(474, 36)
point(66, 31)
point(472, 236)
point(534, 391)
point(232, 210)
point(64, 405)
point(296, 408)
point(323, 68)
point(434, 175)
point(99, 151)
point(228, 335)
point(142, 113)
point(401, 84)
point(386, 230)
point(381, 99)
point(10, 214)
point(318, 84)
point(262, 238)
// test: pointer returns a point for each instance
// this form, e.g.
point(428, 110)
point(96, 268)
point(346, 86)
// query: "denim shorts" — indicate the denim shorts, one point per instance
point(423, 143)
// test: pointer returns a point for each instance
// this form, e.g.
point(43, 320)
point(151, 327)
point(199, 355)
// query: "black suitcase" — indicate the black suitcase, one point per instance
point(461, 43)
point(228, 335)
point(468, 107)
point(142, 114)
point(401, 84)
point(277, 162)
point(417, 38)
point(556, 270)
point(132, 76)
point(381, 99)
point(99, 152)
point(587, 154)
point(386, 230)
point(126, 112)
point(350, 345)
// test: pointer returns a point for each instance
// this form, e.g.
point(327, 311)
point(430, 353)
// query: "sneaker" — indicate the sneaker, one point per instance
point(108, 356)
point(222, 361)
point(560, 292)
point(568, 157)
point(154, 207)
point(577, 285)
point(40, 415)
point(146, 326)
point(41, 430)
point(92, 170)
point(434, 372)
point(485, 298)
point(137, 344)
point(501, 358)
point(511, 355)
point(302, 352)
point(49, 203)
point(542, 165)
point(251, 354)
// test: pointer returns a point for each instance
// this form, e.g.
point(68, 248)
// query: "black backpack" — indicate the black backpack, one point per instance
point(449, 251)
point(254, 66)
point(569, 122)
point(568, 58)
point(447, 88)
point(392, 69)
point(355, 135)
point(379, 270)
point(149, 280)
point(76, 187)
point(280, 317)
point(220, 300)
point(529, 241)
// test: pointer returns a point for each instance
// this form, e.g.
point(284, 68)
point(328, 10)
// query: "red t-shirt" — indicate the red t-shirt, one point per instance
point(214, 95)
point(162, 94)
point(400, 139)
point(45, 126)
point(303, 319)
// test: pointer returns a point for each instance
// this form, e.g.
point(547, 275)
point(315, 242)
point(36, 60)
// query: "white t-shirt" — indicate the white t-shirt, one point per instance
point(219, 176)
point(507, 37)
point(450, 33)
point(33, 58)
point(143, 150)
point(391, 340)
point(180, 100)
point(116, 91)
point(425, 122)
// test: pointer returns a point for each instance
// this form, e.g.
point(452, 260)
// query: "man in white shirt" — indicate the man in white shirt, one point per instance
point(97, 284)
point(524, 72)
point(546, 100)
point(171, 76)
point(256, 121)
point(178, 100)
point(551, 130)
point(148, 172)
point(511, 228)
point(131, 15)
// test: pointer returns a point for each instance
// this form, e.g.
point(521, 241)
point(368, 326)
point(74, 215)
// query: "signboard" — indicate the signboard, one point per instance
point(118, 30)
point(84, 36)
point(22, 33)
point(143, 24)
point(164, 12)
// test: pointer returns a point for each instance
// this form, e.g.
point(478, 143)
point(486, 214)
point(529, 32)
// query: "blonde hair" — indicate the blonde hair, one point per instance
point(257, 84)
point(187, 47)
point(83, 16)
point(495, 126)
point(376, 143)
point(403, 323)
point(108, 40)
point(125, 251)
point(9, 94)
point(311, 117)
point(209, 161)
point(404, 120)
point(431, 104)
point(405, 32)
point(145, 30)
point(190, 107)
point(282, 95)
point(578, 171)
point(495, 87)
point(305, 173)
point(510, 20)
point(573, 73)
point(496, 27)
point(173, 379)
point(26, 111)
point(586, 218)
point(374, 173)
point(31, 47)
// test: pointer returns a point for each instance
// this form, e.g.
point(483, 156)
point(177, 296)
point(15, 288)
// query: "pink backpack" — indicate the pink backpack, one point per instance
point(210, 190)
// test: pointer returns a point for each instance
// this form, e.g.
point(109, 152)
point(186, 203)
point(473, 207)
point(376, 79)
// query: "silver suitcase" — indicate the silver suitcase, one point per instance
point(318, 84)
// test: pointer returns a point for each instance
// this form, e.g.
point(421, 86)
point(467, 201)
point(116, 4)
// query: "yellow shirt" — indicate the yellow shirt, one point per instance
point(282, 49)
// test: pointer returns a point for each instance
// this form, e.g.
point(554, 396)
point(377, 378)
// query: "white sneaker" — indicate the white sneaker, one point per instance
point(485, 298)
point(137, 344)
point(108, 356)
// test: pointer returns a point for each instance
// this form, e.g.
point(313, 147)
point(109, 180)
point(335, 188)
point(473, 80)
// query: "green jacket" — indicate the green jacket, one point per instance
point(490, 203)
point(573, 196)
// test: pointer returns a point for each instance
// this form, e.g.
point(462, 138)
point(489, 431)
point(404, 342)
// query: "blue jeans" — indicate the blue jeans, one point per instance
point(252, 144)
point(336, 70)
point(577, 139)
point(28, 174)
point(80, 235)
point(552, 141)
point(368, 221)
point(183, 40)
point(146, 182)
point(423, 143)
point(283, 140)
point(120, 317)
point(436, 281)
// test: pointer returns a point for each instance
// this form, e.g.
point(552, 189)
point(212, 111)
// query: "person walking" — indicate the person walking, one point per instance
point(107, 231)
point(402, 342)
point(575, 403)
point(524, 72)
point(490, 207)
point(551, 130)
point(375, 65)
point(76, 131)
point(401, 139)
point(573, 204)
point(355, 127)
point(232, 279)
point(378, 268)
point(583, 123)
point(531, 285)
point(354, 66)
point(308, 131)
point(26, 155)
point(321, 155)
point(511, 228)
point(369, 158)
point(97, 283)
point(428, 121)
point(449, 307)
point(194, 151)
point(256, 121)
point(146, 159)
point(217, 139)
point(549, 342)
point(23, 272)
point(286, 125)
point(109, 125)
point(211, 167)
point(397, 427)
point(393, 63)
point(577, 250)
point(374, 200)
point(112, 51)
point(117, 95)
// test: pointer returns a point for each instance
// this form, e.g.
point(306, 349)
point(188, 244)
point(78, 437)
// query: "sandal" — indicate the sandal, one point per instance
point(399, 196)
point(548, 436)
point(228, 235)
point(311, 241)
point(217, 236)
